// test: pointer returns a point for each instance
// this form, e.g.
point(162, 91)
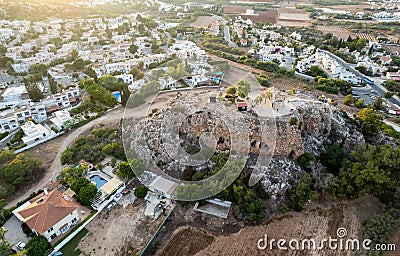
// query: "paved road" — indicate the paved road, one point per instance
point(394, 125)
point(378, 82)
point(227, 34)
point(227, 37)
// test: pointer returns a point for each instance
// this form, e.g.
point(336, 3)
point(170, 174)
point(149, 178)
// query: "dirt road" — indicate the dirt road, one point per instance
point(56, 166)
point(61, 143)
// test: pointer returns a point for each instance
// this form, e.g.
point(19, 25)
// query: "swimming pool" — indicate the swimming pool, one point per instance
point(98, 180)
point(117, 95)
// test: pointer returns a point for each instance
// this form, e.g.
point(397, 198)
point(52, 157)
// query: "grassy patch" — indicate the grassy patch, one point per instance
point(76, 227)
point(70, 248)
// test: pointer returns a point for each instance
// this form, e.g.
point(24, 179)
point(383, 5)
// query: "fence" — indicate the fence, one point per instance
point(156, 233)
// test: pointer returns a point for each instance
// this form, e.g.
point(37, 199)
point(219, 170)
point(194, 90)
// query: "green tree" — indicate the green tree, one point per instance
point(136, 99)
point(3, 50)
point(109, 82)
point(125, 170)
point(141, 65)
point(74, 54)
point(359, 103)
point(306, 160)
point(361, 43)
point(231, 90)
point(369, 121)
point(125, 93)
point(388, 95)
point(98, 93)
point(315, 71)
point(40, 69)
point(79, 183)
point(141, 191)
point(5, 247)
point(348, 100)
point(244, 87)
point(90, 72)
point(300, 194)
point(129, 170)
point(78, 64)
point(34, 92)
point(332, 158)
point(150, 88)
point(371, 170)
point(137, 73)
point(37, 246)
point(378, 104)
point(87, 193)
point(178, 72)
point(5, 62)
point(113, 162)
point(133, 48)
point(292, 121)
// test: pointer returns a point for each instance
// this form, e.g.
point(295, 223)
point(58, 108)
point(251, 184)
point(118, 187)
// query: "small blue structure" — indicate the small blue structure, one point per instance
point(219, 73)
point(117, 95)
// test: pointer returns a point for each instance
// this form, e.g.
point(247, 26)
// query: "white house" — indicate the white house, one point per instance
point(127, 78)
point(60, 118)
point(14, 93)
point(49, 214)
point(34, 132)
point(20, 67)
point(163, 186)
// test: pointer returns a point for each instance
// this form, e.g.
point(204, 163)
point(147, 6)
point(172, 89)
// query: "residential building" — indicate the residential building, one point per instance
point(395, 76)
point(49, 214)
point(34, 132)
point(60, 118)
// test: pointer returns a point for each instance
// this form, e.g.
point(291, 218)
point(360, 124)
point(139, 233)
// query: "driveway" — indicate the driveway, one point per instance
point(15, 234)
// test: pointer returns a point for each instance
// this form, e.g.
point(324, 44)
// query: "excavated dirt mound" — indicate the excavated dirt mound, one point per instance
point(184, 236)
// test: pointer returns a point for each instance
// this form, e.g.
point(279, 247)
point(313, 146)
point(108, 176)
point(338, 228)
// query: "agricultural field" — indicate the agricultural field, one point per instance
point(293, 17)
point(269, 16)
point(203, 22)
point(184, 237)
point(234, 10)
point(337, 31)
point(351, 8)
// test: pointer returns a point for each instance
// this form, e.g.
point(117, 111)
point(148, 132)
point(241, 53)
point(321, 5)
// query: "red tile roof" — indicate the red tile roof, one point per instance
point(47, 210)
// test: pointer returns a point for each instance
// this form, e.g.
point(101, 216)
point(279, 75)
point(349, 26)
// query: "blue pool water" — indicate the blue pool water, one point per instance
point(117, 95)
point(98, 180)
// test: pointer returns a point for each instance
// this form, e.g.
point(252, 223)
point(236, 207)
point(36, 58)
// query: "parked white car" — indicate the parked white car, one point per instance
point(21, 245)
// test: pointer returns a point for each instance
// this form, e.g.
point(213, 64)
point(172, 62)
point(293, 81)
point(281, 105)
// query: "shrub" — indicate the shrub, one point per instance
point(141, 191)
point(293, 120)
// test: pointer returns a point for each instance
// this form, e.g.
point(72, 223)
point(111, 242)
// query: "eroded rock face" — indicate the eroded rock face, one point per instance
point(315, 127)
point(319, 126)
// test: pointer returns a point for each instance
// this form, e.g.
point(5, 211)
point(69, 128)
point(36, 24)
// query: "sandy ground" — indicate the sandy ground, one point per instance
point(317, 222)
point(122, 231)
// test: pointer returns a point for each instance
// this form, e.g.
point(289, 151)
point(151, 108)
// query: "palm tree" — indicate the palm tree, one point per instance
point(258, 99)
point(2, 209)
point(3, 232)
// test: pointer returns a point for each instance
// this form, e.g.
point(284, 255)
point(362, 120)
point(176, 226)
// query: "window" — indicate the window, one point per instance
point(53, 236)
point(50, 229)
point(64, 229)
